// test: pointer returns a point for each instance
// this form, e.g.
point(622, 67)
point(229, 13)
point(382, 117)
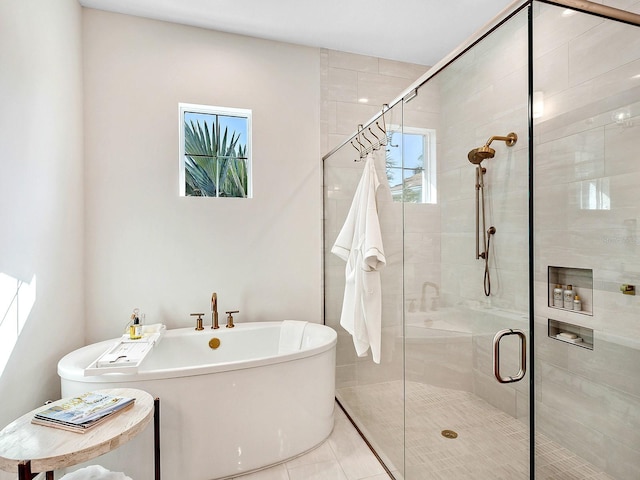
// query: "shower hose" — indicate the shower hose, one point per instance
point(487, 277)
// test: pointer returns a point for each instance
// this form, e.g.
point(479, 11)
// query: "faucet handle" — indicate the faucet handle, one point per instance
point(230, 318)
point(198, 320)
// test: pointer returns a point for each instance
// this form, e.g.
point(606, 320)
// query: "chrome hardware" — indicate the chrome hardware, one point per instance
point(381, 141)
point(214, 311)
point(410, 96)
point(523, 355)
point(198, 320)
point(230, 318)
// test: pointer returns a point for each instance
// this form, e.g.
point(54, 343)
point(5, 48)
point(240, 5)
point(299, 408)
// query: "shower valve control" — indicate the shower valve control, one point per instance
point(628, 289)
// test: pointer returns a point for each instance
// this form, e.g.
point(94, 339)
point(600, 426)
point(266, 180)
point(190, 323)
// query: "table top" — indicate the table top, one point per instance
point(51, 448)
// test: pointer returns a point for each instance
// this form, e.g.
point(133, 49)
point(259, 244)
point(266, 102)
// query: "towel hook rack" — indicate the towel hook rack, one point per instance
point(364, 150)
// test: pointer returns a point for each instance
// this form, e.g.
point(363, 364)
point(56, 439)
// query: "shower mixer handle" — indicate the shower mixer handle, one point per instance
point(230, 318)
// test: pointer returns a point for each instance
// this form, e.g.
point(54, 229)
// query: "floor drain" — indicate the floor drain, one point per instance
point(449, 434)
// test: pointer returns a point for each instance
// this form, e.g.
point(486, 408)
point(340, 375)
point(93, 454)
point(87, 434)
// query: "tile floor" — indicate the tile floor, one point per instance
point(343, 456)
point(491, 445)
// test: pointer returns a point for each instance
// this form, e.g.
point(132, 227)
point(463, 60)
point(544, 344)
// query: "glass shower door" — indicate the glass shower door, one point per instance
point(370, 393)
point(466, 275)
point(587, 135)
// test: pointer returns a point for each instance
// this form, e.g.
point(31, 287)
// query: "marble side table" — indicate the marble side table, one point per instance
point(27, 449)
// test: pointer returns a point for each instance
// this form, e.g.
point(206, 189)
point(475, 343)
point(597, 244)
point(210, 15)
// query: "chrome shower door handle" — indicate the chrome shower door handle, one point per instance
point(523, 355)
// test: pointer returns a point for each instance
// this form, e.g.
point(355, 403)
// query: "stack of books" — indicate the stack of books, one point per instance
point(84, 412)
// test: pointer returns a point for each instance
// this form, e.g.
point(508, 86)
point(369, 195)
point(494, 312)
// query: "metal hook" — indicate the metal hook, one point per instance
point(383, 129)
point(357, 139)
point(386, 138)
point(363, 146)
point(367, 139)
point(376, 137)
point(358, 149)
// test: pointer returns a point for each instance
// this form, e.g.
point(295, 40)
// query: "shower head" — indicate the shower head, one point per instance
point(477, 155)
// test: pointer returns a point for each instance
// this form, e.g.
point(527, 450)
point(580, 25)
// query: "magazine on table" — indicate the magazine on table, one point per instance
point(82, 412)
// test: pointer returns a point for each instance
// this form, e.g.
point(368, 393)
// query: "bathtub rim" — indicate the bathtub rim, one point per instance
point(71, 366)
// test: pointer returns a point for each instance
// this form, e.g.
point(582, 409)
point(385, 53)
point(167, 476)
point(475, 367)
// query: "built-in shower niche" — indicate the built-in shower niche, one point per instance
point(581, 281)
point(570, 333)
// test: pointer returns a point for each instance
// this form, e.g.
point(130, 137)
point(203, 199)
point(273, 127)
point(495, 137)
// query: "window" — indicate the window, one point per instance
point(411, 170)
point(215, 151)
point(594, 194)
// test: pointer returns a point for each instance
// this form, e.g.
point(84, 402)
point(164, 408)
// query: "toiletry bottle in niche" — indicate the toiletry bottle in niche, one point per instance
point(577, 303)
point(568, 297)
point(557, 296)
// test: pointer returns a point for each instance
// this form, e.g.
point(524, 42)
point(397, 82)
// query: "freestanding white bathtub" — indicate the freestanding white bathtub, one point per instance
point(223, 412)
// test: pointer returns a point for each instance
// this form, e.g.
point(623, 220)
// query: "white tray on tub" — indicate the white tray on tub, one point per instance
point(125, 355)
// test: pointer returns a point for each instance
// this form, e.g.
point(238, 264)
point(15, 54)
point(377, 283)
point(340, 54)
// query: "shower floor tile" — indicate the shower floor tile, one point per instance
point(491, 445)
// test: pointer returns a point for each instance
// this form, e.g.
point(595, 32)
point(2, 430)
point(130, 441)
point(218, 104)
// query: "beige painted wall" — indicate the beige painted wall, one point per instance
point(148, 248)
point(40, 197)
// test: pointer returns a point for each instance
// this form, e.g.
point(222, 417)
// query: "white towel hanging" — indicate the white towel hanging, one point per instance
point(359, 243)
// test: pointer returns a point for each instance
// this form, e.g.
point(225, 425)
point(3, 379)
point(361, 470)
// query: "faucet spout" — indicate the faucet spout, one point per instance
point(214, 310)
point(423, 303)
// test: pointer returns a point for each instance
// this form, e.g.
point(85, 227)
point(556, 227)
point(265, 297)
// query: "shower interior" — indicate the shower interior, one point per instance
point(438, 323)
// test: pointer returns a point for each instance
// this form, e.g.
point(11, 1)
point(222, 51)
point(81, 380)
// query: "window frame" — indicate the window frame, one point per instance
point(184, 108)
point(429, 190)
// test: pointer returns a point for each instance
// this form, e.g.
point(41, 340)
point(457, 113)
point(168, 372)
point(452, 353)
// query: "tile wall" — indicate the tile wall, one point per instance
point(347, 80)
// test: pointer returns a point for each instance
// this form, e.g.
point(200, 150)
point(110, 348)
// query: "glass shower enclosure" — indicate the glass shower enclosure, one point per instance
point(507, 175)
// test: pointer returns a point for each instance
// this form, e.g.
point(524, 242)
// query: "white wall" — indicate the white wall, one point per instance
point(40, 197)
point(148, 248)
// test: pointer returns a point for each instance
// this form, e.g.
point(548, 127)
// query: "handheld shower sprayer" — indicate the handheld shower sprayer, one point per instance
point(476, 156)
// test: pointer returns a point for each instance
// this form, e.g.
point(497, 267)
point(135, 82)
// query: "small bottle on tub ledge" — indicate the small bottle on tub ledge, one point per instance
point(135, 329)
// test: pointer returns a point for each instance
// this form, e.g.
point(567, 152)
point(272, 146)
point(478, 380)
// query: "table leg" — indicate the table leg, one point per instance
point(156, 436)
point(24, 470)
